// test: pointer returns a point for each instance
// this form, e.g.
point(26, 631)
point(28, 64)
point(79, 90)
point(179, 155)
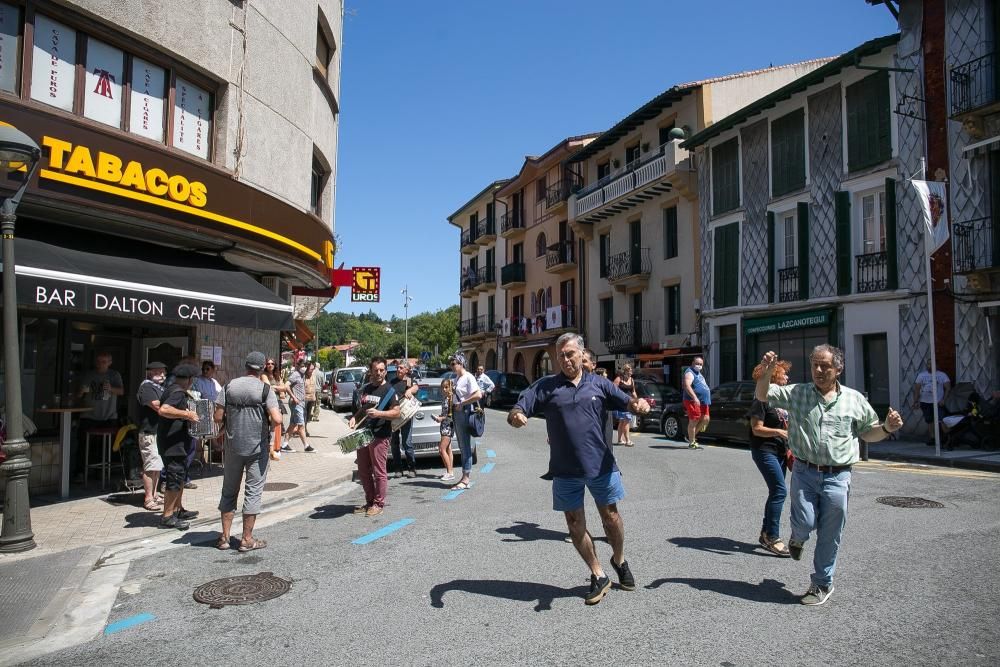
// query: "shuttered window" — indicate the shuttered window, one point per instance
point(726, 266)
point(672, 301)
point(726, 177)
point(605, 245)
point(869, 137)
point(670, 232)
point(788, 153)
point(607, 313)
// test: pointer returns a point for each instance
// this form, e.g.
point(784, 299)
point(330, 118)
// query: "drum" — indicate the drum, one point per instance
point(206, 426)
point(407, 408)
point(356, 440)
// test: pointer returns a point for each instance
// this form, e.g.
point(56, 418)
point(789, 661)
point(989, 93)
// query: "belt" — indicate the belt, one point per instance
point(828, 469)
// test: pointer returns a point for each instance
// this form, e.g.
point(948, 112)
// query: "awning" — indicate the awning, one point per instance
point(115, 277)
point(984, 144)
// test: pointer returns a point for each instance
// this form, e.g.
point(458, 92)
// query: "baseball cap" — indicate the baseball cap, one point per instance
point(186, 371)
point(155, 365)
point(255, 361)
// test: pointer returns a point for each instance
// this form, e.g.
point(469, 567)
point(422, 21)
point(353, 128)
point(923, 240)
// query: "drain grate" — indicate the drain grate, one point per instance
point(246, 589)
point(908, 502)
point(279, 486)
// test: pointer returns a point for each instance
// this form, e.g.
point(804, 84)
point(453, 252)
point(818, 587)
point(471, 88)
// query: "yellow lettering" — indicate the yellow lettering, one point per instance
point(199, 194)
point(57, 150)
point(156, 182)
point(179, 188)
point(109, 167)
point(133, 176)
point(80, 162)
point(328, 253)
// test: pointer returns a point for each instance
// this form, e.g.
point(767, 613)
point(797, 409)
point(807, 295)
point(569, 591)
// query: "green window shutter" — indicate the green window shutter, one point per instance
point(803, 241)
point(725, 177)
point(892, 269)
point(734, 264)
point(883, 120)
point(842, 205)
point(869, 122)
point(788, 160)
point(719, 269)
point(726, 266)
point(770, 256)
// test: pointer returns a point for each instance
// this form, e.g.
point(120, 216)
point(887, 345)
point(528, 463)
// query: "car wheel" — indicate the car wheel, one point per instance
point(671, 427)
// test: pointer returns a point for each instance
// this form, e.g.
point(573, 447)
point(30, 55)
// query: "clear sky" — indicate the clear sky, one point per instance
point(440, 98)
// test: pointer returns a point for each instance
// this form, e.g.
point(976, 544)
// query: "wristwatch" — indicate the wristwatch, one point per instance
point(885, 430)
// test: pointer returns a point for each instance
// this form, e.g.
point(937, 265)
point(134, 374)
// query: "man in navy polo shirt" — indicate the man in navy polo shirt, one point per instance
point(575, 405)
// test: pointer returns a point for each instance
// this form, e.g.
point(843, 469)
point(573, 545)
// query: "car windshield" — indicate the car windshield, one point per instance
point(350, 376)
point(516, 382)
point(430, 395)
point(659, 391)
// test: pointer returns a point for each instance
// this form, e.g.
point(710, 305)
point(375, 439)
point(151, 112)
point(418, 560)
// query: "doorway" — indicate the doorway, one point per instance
point(875, 356)
point(635, 247)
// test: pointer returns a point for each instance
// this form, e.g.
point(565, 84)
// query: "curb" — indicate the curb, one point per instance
point(965, 464)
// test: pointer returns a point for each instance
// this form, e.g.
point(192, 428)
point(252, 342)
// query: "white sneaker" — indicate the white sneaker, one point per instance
point(447, 477)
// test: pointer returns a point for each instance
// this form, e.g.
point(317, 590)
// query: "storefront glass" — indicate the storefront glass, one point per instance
point(793, 345)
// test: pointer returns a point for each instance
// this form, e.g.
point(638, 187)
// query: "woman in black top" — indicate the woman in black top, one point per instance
point(769, 449)
point(626, 383)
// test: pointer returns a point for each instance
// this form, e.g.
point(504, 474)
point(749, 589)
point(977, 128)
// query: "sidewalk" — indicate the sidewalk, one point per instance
point(112, 518)
point(918, 452)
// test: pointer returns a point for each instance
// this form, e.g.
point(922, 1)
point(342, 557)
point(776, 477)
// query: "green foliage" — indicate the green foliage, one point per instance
point(380, 337)
point(329, 358)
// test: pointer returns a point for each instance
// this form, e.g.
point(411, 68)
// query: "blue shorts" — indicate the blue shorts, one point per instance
point(567, 492)
point(298, 415)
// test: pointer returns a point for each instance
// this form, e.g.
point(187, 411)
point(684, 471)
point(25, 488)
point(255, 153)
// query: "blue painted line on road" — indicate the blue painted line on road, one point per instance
point(451, 495)
point(487, 468)
point(382, 532)
point(490, 454)
point(129, 622)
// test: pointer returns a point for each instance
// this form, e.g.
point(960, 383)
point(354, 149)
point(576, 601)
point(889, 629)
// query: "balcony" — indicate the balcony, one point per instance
point(560, 257)
point(487, 231)
point(872, 271)
point(467, 328)
point(974, 87)
point(630, 268)
point(511, 224)
point(467, 282)
point(468, 243)
point(512, 275)
point(486, 278)
point(788, 284)
point(976, 245)
point(631, 336)
point(633, 184)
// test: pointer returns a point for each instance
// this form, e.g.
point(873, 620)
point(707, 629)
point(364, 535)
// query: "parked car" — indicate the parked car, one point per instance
point(426, 432)
point(729, 421)
point(344, 385)
point(508, 386)
point(326, 391)
point(657, 395)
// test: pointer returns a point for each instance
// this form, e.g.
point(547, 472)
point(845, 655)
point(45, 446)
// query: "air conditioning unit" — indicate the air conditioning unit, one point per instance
point(279, 286)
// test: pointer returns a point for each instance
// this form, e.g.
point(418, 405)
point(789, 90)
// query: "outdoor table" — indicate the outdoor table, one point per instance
point(65, 432)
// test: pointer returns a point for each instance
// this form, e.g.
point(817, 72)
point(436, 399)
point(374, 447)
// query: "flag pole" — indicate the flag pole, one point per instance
point(930, 326)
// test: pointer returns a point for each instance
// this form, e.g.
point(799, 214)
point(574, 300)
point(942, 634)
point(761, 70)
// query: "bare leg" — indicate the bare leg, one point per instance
point(621, 431)
point(149, 480)
point(703, 424)
point(576, 521)
point(444, 449)
point(625, 430)
point(302, 435)
point(227, 525)
point(614, 528)
point(171, 502)
point(692, 429)
point(248, 522)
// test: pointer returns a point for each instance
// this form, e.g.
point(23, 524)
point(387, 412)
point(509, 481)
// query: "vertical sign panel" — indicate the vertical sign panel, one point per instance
point(10, 46)
point(102, 95)
point(148, 88)
point(192, 118)
point(53, 63)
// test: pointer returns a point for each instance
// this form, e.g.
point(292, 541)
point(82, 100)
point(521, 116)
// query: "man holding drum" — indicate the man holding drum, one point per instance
point(381, 406)
point(406, 388)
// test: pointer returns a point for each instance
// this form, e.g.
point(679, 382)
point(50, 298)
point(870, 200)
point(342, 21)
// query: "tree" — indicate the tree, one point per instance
point(329, 358)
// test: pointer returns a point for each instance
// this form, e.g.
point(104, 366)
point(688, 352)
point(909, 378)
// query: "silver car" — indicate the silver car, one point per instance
point(345, 382)
point(426, 432)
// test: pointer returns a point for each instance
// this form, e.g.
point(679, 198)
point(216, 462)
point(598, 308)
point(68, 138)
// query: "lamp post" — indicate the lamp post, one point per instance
point(406, 321)
point(17, 153)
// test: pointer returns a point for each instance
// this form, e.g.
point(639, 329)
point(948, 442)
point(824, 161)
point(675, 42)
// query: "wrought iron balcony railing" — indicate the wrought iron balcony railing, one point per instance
point(563, 253)
point(974, 84)
point(630, 336)
point(486, 227)
point(486, 275)
point(629, 263)
point(872, 271)
point(512, 273)
point(511, 220)
point(788, 284)
point(976, 244)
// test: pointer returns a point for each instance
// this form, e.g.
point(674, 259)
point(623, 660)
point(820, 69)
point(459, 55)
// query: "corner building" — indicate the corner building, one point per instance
point(186, 186)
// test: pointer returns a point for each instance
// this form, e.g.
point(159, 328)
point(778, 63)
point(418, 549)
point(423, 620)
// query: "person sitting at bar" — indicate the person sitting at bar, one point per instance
point(99, 390)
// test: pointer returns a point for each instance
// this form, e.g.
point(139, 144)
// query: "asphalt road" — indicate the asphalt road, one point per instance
point(489, 577)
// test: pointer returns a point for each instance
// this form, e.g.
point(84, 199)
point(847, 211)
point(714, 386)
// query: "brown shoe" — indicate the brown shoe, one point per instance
point(374, 510)
point(361, 509)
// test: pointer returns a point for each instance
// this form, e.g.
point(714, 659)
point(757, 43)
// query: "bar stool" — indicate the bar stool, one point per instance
point(106, 436)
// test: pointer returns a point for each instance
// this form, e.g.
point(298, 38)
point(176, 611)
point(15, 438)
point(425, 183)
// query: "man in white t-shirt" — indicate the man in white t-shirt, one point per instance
point(923, 394)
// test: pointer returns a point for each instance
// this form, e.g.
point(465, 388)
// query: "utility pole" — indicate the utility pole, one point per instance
point(406, 321)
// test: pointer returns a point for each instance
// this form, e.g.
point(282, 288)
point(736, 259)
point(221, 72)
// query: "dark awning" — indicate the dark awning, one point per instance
point(111, 277)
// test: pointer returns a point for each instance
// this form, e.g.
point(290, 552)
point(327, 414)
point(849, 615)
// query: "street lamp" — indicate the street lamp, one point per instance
point(406, 321)
point(17, 153)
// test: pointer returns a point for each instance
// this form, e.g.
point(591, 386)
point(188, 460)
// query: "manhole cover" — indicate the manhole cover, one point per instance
point(247, 589)
point(279, 486)
point(907, 501)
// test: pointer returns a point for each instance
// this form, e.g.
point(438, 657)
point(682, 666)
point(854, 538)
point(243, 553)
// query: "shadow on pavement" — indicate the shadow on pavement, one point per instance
point(717, 545)
point(433, 485)
point(331, 511)
point(199, 538)
point(520, 591)
point(769, 590)
point(531, 532)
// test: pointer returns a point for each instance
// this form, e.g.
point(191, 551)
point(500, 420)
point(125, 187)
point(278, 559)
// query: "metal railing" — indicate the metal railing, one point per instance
point(973, 84)
point(872, 271)
point(486, 227)
point(563, 253)
point(635, 174)
point(629, 263)
point(512, 273)
point(629, 336)
point(468, 279)
point(976, 244)
point(467, 327)
point(486, 275)
point(469, 236)
point(512, 219)
point(788, 284)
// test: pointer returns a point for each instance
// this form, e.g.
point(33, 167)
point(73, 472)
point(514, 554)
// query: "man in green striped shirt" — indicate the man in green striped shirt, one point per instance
point(825, 420)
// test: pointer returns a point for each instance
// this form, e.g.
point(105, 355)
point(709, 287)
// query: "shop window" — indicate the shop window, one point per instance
point(53, 63)
point(10, 47)
point(149, 90)
point(192, 118)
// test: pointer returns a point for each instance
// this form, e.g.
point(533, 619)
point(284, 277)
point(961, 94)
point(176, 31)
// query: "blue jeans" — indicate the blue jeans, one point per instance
point(819, 500)
point(464, 438)
point(772, 469)
point(402, 437)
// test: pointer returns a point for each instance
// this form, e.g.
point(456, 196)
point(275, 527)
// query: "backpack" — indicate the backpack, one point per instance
point(262, 406)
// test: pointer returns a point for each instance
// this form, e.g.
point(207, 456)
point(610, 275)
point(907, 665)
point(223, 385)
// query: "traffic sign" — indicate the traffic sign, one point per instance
point(425, 356)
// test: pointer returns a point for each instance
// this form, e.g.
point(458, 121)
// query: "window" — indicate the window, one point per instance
point(324, 52)
point(318, 182)
point(10, 47)
point(869, 134)
point(540, 246)
point(105, 74)
point(726, 265)
point(518, 253)
point(603, 169)
point(789, 248)
point(53, 63)
point(664, 134)
point(726, 176)
point(672, 303)
point(788, 153)
point(728, 356)
point(517, 306)
point(607, 315)
point(149, 90)
point(192, 118)
point(491, 318)
point(605, 248)
point(670, 232)
point(632, 153)
point(540, 189)
point(872, 210)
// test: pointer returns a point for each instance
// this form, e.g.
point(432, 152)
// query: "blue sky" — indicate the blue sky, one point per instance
point(440, 98)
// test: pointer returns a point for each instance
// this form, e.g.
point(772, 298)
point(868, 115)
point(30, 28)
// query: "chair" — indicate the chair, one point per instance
point(106, 436)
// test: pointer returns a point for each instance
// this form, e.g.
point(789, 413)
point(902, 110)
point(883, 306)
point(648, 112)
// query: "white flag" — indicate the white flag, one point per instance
point(934, 203)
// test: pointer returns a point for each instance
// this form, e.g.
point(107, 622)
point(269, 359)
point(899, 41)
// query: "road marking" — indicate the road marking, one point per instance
point(129, 622)
point(451, 495)
point(382, 532)
point(487, 468)
point(490, 454)
point(918, 469)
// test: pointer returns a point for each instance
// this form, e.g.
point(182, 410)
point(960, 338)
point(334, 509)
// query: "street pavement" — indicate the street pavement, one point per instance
point(488, 576)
